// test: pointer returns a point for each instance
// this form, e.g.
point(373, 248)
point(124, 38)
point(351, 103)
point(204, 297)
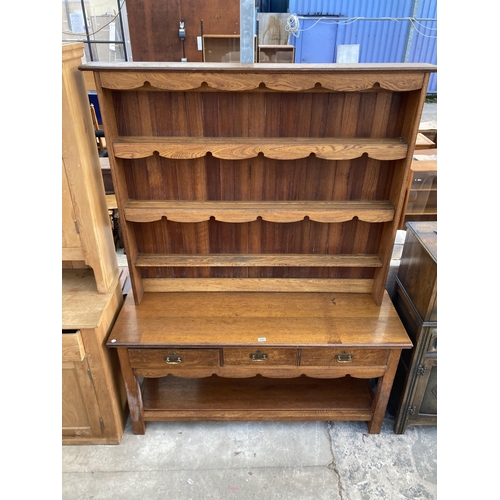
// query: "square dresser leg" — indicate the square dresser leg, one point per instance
point(133, 392)
point(382, 393)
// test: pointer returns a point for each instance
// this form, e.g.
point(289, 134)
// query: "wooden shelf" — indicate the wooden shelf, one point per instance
point(217, 398)
point(424, 166)
point(247, 211)
point(276, 53)
point(240, 260)
point(233, 285)
point(430, 211)
point(424, 142)
point(241, 148)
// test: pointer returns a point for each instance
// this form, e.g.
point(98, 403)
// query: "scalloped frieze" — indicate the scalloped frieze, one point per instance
point(245, 81)
point(240, 212)
point(245, 148)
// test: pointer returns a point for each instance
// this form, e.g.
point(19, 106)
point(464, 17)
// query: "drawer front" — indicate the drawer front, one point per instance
point(172, 358)
point(341, 357)
point(72, 346)
point(261, 356)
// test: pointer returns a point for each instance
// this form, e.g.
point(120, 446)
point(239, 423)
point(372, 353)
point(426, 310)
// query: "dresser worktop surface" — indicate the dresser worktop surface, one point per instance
point(198, 319)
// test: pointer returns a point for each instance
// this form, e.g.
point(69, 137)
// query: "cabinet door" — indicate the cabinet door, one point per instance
point(418, 403)
point(80, 413)
point(424, 408)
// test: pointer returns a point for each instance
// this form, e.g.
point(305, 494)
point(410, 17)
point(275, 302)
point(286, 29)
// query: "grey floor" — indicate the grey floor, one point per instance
point(254, 460)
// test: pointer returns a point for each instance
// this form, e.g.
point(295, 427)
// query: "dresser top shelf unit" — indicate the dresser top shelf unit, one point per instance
point(260, 177)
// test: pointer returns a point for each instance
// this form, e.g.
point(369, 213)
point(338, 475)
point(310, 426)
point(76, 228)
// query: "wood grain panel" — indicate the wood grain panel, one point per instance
point(263, 179)
point(288, 115)
point(284, 319)
point(248, 260)
point(239, 239)
point(273, 77)
point(233, 284)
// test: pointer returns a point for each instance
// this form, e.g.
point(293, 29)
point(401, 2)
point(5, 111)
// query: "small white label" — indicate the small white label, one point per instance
point(262, 339)
point(113, 340)
point(198, 39)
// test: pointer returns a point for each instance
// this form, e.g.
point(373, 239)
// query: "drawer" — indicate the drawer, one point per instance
point(344, 356)
point(72, 346)
point(252, 356)
point(162, 358)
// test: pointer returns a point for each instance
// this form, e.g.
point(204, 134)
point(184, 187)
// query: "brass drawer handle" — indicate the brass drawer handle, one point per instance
point(258, 356)
point(344, 357)
point(173, 359)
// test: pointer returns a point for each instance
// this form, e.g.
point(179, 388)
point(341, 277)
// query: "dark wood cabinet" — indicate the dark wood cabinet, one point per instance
point(415, 300)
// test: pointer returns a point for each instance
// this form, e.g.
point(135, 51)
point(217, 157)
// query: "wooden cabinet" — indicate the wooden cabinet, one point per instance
point(87, 240)
point(223, 48)
point(421, 194)
point(276, 53)
point(244, 190)
point(93, 396)
point(415, 299)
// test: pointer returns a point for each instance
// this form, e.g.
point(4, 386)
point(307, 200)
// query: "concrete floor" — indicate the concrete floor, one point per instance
point(254, 460)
